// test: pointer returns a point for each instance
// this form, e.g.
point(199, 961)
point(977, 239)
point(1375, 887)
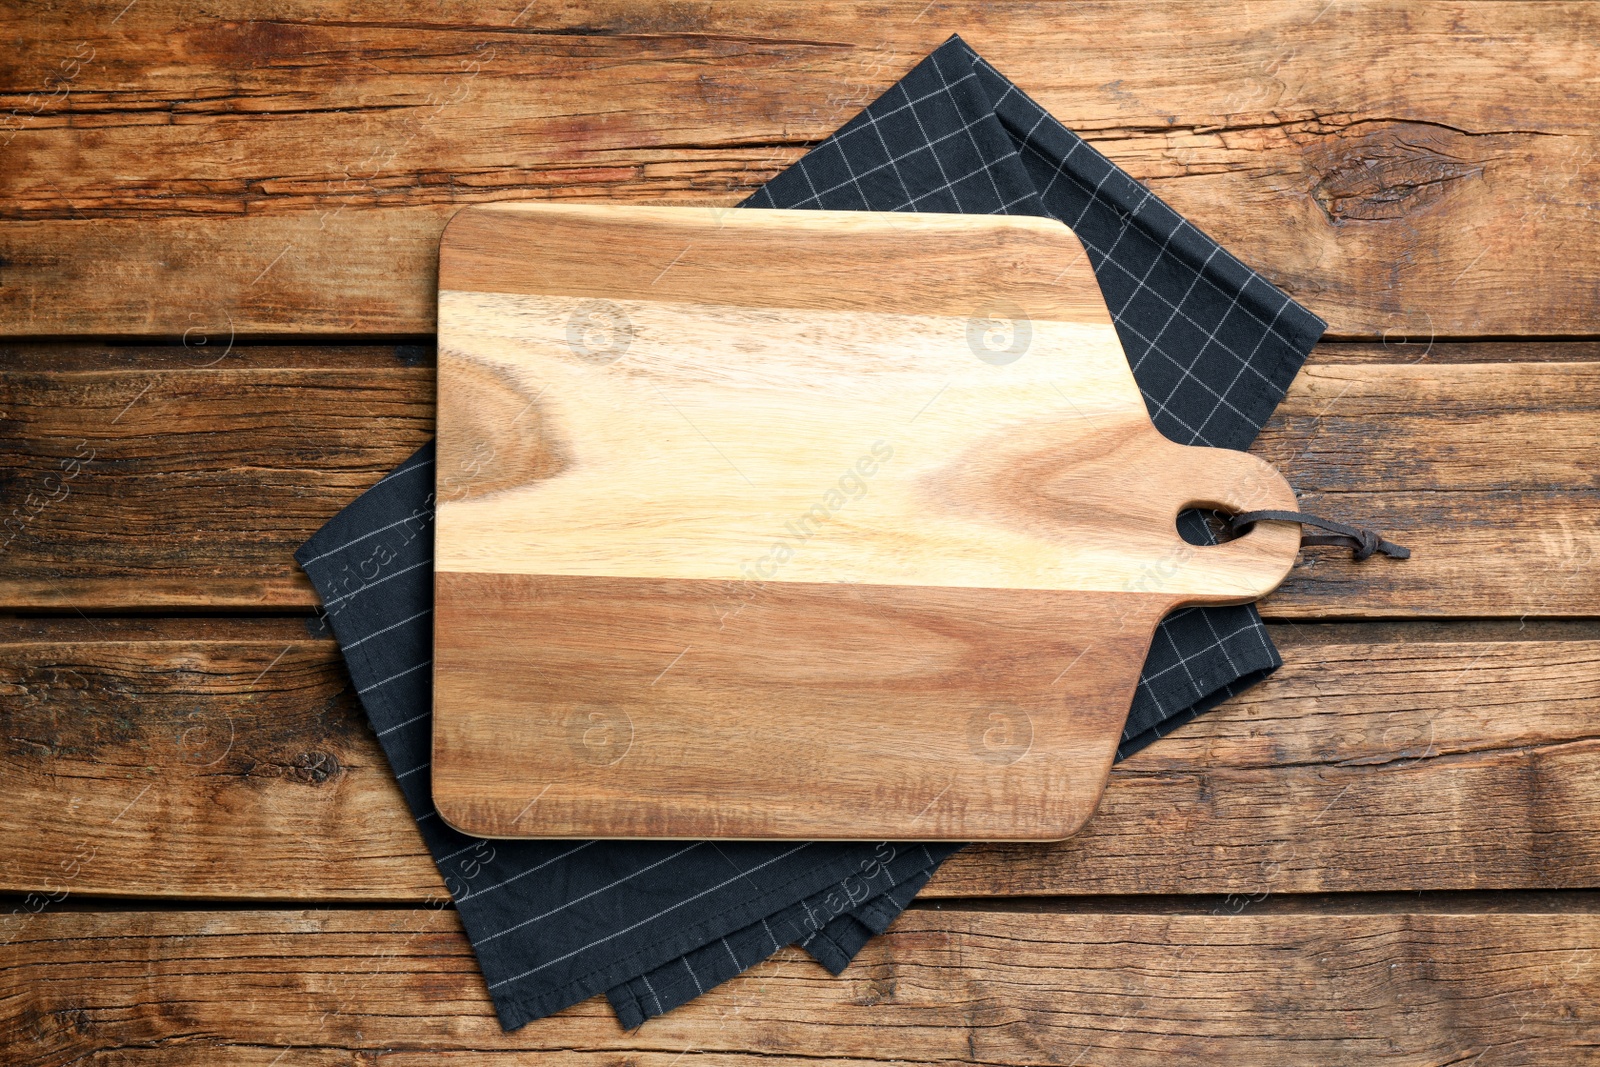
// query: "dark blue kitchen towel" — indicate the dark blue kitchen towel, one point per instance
point(554, 922)
point(1213, 347)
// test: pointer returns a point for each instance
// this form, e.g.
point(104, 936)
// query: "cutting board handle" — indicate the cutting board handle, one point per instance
point(1254, 564)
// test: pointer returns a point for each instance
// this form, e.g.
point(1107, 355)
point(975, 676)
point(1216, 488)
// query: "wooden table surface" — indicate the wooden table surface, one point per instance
point(216, 279)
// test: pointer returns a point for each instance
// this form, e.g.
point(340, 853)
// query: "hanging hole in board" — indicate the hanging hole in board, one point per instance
point(1203, 527)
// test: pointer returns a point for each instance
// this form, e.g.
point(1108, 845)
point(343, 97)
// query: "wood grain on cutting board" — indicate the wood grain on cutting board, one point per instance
point(798, 524)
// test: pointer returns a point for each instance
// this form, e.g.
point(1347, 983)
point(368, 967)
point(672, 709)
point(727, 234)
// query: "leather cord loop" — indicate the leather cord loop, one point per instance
point(1361, 542)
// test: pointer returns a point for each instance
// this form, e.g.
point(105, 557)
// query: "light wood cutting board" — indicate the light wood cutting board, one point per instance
point(798, 524)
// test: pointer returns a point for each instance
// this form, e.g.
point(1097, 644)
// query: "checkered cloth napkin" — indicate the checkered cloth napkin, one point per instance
point(652, 924)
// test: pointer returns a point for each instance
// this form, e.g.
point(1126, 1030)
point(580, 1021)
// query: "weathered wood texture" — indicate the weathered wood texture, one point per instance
point(288, 167)
point(1407, 171)
point(193, 474)
point(293, 989)
point(145, 478)
point(226, 758)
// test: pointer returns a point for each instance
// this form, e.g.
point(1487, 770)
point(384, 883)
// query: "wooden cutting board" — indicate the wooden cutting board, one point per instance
point(798, 524)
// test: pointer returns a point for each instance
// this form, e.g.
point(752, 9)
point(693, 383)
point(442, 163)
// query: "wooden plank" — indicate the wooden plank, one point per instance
point(192, 475)
point(1467, 465)
point(251, 720)
point(1360, 762)
point(296, 988)
point(226, 759)
point(198, 476)
point(1424, 351)
point(292, 173)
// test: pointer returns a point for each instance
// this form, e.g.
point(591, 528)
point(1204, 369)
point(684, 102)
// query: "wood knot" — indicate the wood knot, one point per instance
point(494, 434)
point(879, 988)
point(314, 768)
point(47, 1026)
point(1393, 170)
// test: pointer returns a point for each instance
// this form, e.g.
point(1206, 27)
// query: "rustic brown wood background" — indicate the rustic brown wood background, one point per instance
point(216, 276)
